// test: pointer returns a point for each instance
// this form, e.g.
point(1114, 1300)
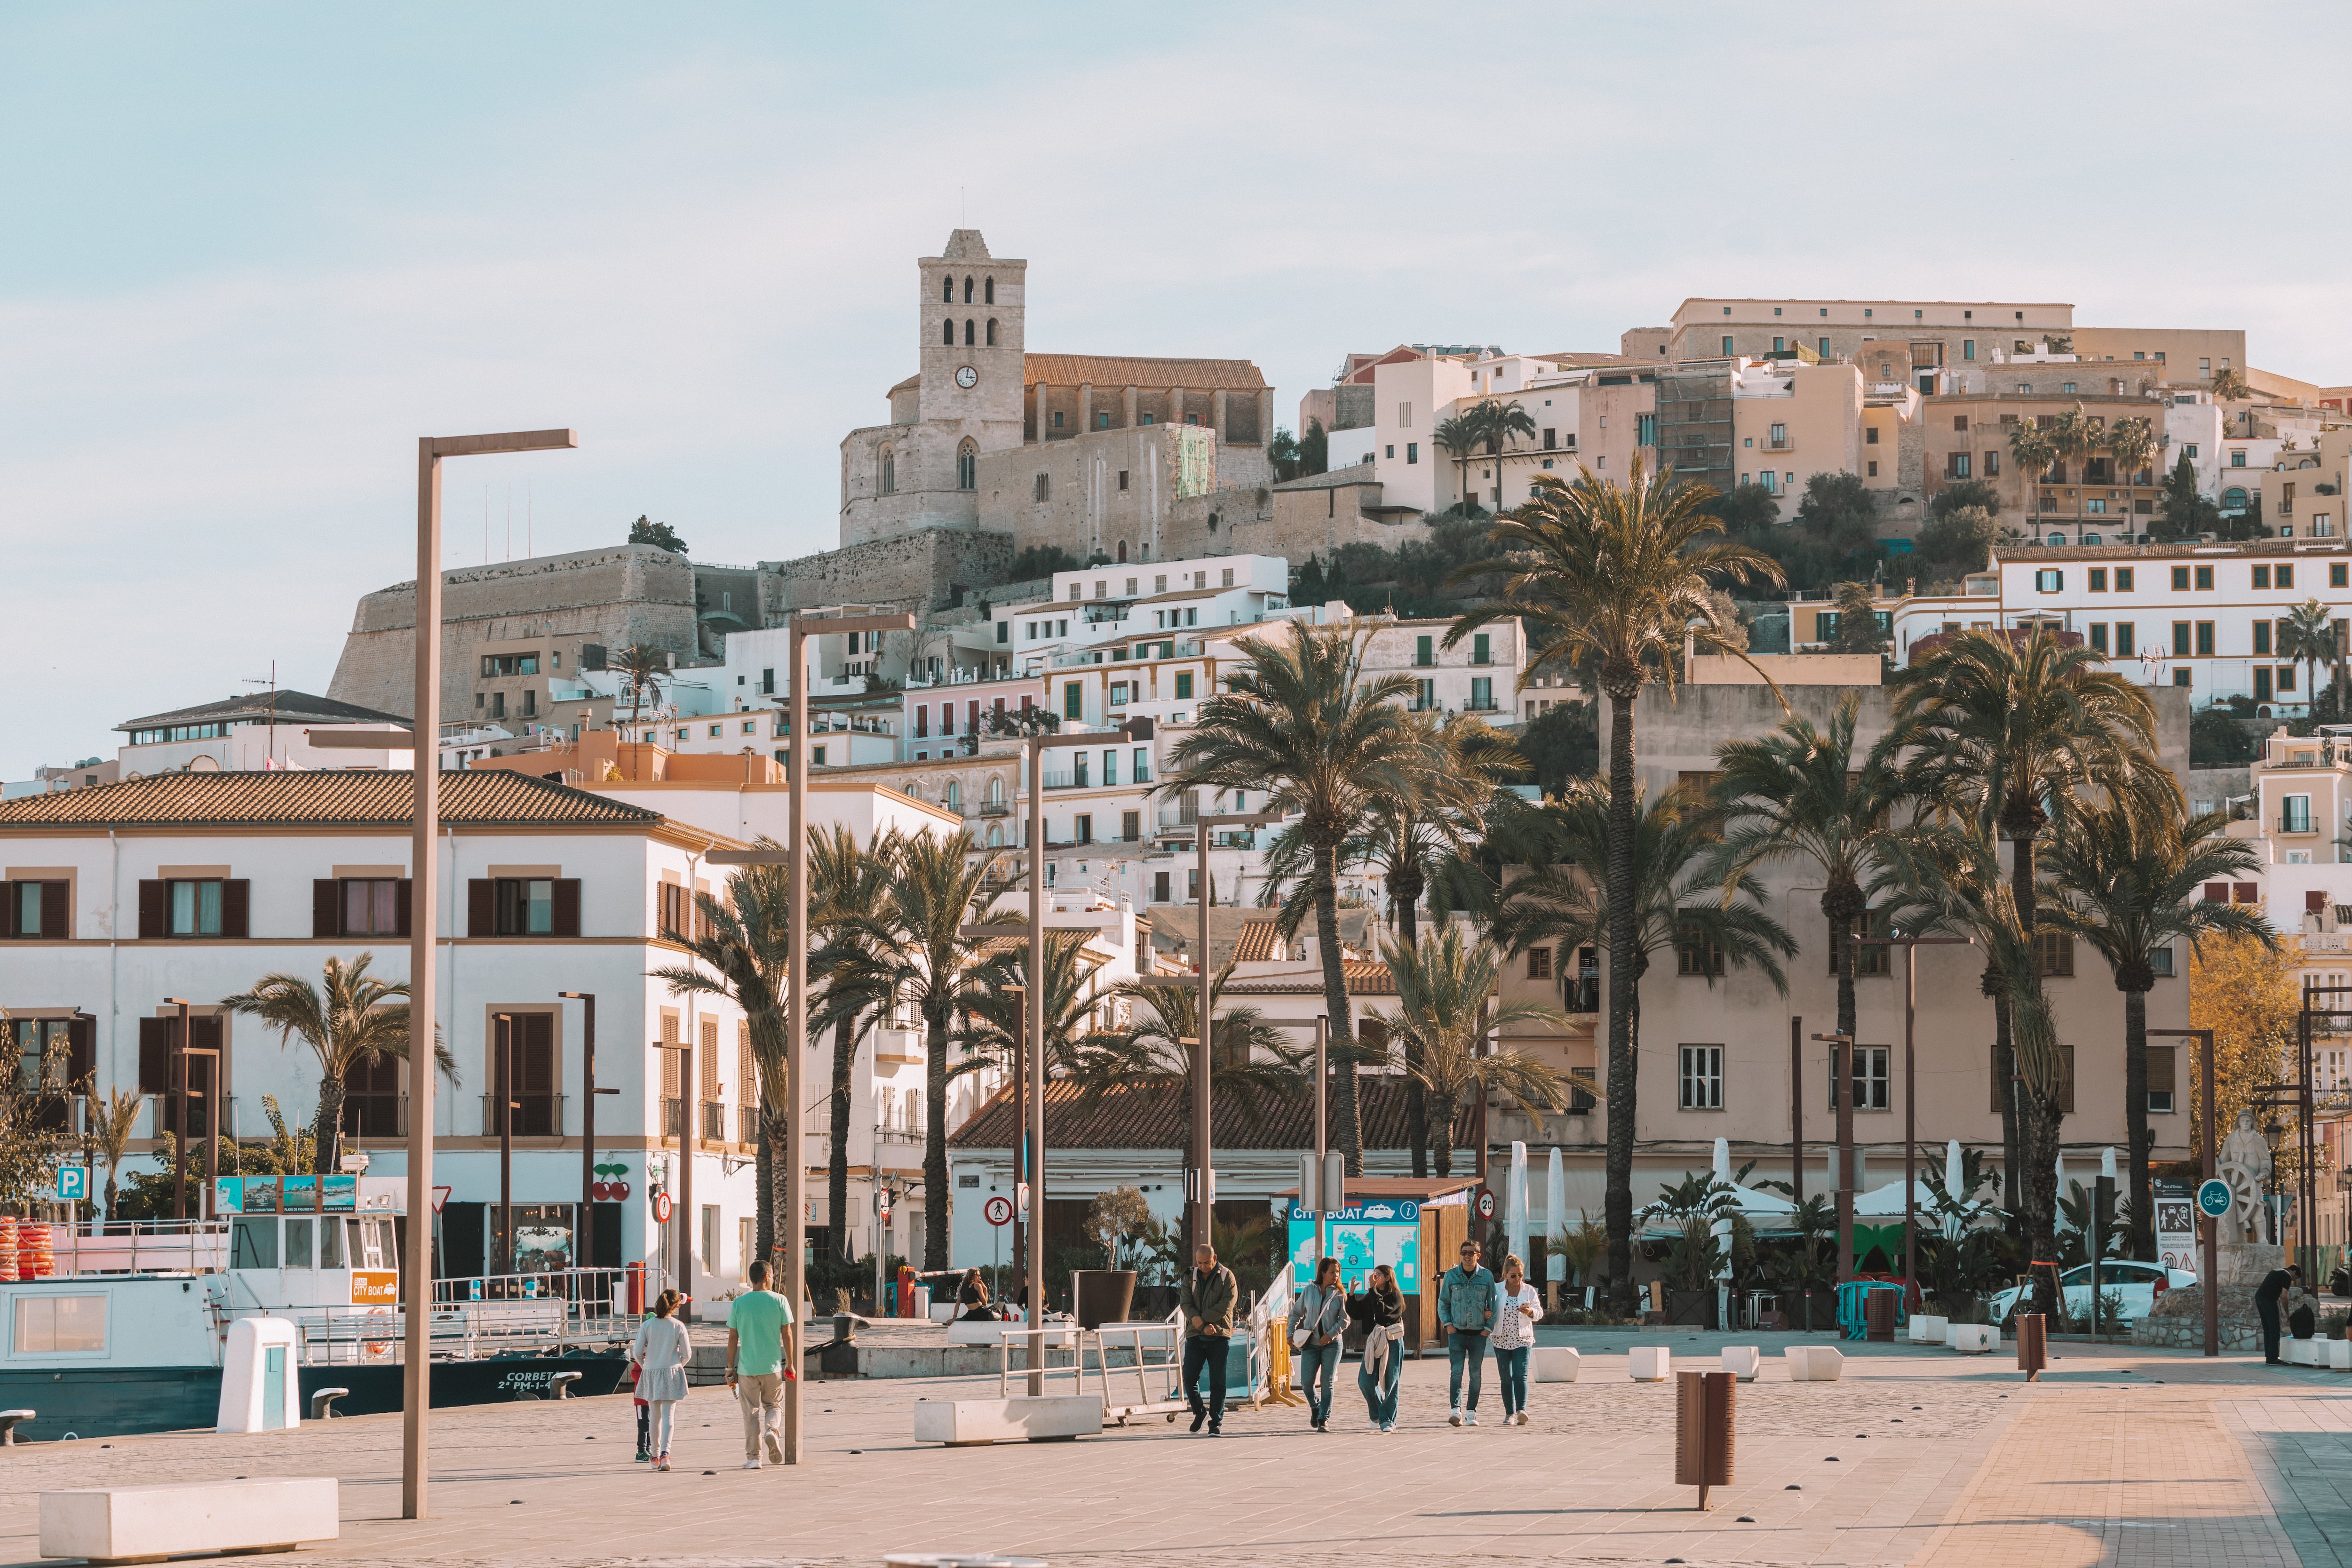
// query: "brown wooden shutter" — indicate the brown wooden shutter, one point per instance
point(2161, 1060)
point(56, 909)
point(236, 903)
point(400, 901)
point(150, 910)
point(325, 906)
point(2314, 901)
point(481, 906)
point(82, 1051)
point(8, 907)
point(566, 915)
point(155, 1055)
point(2066, 1079)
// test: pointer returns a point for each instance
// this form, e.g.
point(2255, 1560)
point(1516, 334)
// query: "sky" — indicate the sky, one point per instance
point(248, 253)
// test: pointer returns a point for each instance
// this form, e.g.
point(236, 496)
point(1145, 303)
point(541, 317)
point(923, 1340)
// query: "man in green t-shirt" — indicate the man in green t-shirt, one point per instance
point(760, 1349)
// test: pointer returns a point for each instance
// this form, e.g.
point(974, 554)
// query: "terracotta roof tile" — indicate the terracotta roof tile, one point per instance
point(340, 797)
point(1119, 370)
point(1365, 978)
point(1255, 944)
point(1155, 1114)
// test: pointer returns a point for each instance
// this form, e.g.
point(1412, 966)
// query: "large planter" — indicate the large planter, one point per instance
point(1100, 1296)
point(1691, 1308)
point(1792, 1304)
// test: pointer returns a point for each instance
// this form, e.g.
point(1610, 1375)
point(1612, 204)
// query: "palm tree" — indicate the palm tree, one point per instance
point(1302, 721)
point(2007, 725)
point(2032, 450)
point(1243, 1047)
point(1458, 762)
point(934, 887)
point(1619, 577)
point(642, 665)
point(355, 1022)
point(1496, 422)
point(1444, 991)
point(2230, 385)
point(741, 949)
point(2307, 637)
point(2132, 442)
point(2129, 885)
point(1074, 1025)
point(2074, 437)
point(1801, 793)
point(845, 883)
point(110, 1128)
point(1459, 434)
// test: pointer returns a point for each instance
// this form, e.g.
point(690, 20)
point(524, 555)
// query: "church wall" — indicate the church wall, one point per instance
point(917, 573)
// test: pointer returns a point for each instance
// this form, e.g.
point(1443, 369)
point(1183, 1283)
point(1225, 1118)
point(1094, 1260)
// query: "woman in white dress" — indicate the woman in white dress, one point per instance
point(660, 1352)
point(1516, 1309)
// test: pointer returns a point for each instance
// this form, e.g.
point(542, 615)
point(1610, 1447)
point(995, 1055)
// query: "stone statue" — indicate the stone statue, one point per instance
point(2245, 1165)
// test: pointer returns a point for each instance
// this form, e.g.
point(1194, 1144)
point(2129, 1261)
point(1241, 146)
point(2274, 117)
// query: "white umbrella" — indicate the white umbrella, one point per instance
point(1953, 1173)
point(1722, 1226)
point(1516, 1201)
point(2107, 1162)
point(2061, 1190)
point(1555, 1197)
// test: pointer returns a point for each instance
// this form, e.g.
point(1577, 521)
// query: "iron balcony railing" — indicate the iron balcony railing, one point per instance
point(714, 1121)
point(375, 1114)
point(537, 1114)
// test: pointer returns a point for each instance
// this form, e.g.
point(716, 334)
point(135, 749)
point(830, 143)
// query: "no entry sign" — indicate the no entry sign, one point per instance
point(997, 1210)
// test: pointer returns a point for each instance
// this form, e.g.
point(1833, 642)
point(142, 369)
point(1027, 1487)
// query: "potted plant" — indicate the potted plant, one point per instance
point(1100, 1296)
point(844, 1318)
point(1581, 1251)
point(1695, 1205)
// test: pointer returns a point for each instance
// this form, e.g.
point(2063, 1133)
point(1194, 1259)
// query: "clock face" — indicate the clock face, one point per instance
point(966, 375)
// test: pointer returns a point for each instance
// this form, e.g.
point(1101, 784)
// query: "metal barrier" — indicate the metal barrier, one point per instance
point(143, 1246)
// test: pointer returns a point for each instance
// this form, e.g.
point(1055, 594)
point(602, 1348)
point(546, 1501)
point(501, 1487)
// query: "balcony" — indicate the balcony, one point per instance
point(2292, 824)
point(673, 1117)
point(1080, 778)
point(370, 1113)
point(1783, 445)
point(747, 1124)
point(993, 808)
point(714, 1121)
point(1479, 705)
point(536, 1114)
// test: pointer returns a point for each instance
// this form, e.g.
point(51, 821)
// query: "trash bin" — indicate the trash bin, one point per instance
point(2033, 1344)
point(1878, 1316)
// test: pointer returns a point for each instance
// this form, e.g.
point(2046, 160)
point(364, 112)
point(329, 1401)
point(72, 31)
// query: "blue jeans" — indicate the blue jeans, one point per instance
point(1380, 1398)
point(1459, 1345)
point(1313, 1361)
point(1511, 1371)
point(1206, 1351)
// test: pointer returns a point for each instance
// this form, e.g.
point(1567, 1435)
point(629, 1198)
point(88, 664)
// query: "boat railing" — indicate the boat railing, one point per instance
point(532, 1313)
point(143, 1246)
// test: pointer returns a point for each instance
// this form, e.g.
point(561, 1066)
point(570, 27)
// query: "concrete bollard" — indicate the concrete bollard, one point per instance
point(1743, 1362)
point(1553, 1364)
point(1649, 1363)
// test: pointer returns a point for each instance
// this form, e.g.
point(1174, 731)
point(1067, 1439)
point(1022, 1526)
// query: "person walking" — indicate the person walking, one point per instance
point(1381, 1310)
point(1466, 1311)
point(1206, 1301)
point(660, 1352)
point(760, 1346)
point(2267, 1306)
point(1517, 1311)
point(1318, 1314)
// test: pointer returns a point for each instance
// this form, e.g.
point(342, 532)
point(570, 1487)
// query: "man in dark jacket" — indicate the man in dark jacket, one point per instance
point(2266, 1305)
point(1206, 1301)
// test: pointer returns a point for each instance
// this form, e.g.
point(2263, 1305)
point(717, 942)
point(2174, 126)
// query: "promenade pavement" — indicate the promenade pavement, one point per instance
point(2116, 1456)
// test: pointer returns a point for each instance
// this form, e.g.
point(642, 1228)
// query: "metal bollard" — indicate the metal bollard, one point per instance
point(322, 1402)
point(1704, 1406)
point(2033, 1344)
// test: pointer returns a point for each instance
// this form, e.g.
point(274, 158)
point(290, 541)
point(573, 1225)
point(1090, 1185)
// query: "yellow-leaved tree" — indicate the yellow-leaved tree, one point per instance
point(2247, 994)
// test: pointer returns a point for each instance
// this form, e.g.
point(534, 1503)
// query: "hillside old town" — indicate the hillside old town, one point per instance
point(1822, 813)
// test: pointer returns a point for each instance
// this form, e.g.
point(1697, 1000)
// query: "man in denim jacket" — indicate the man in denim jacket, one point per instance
point(1465, 1311)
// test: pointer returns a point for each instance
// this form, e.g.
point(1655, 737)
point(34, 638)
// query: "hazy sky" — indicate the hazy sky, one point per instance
point(248, 253)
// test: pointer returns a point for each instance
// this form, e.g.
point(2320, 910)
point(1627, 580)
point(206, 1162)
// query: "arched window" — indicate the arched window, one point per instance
point(995, 836)
point(946, 333)
point(996, 789)
point(991, 331)
point(1122, 551)
point(2233, 499)
point(1044, 487)
point(967, 291)
point(911, 790)
point(967, 332)
point(953, 798)
point(988, 291)
point(889, 470)
point(946, 290)
point(968, 466)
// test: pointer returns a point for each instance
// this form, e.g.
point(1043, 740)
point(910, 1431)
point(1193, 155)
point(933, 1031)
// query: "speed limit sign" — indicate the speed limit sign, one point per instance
point(997, 1210)
point(661, 1208)
point(1486, 1204)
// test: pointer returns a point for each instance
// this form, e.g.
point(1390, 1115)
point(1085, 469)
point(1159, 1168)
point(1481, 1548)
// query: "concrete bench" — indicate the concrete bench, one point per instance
point(1971, 1339)
point(1814, 1363)
point(1554, 1363)
point(1649, 1363)
point(2306, 1353)
point(1928, 1331)
point(1743, 1362)
point(117, 1524)
point(960, 1423)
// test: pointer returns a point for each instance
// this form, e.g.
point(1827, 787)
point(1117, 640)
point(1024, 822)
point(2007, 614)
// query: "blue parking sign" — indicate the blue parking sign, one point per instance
point(73, 1183)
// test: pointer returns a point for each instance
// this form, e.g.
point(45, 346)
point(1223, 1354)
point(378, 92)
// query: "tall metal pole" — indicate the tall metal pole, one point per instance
point(424, 992)
point(1910, 1120)
point(179, 1120)
point(1203, 1193)
point(1797, 1107)
point(1034, 1019)
point(504, 1256)
point(1322, 1129)
point(2212, 1276)
point(583, 1247)
point(1020, 1138)
point(794, 1237)
point(688, 1126)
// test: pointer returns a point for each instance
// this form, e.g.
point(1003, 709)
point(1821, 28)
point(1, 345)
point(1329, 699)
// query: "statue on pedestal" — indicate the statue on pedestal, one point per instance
point(2245, 1165)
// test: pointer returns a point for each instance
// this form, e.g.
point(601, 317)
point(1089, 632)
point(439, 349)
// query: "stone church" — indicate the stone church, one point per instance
point(1130, 458)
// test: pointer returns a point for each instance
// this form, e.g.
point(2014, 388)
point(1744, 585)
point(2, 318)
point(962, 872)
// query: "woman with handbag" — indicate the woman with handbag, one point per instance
point(1516, 1308)
point(1319, 1315)
point(660, 1352)
point(1380, 1310)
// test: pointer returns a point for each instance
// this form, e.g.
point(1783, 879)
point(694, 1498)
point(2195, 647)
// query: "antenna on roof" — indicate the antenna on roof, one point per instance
point(272, 684)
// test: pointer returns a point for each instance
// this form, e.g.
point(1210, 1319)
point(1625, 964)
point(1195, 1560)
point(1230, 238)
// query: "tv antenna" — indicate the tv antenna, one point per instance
point(271, 682)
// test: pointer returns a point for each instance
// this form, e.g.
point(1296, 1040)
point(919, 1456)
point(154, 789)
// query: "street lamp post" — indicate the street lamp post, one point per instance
point(793, 1230)
point(503, 1093)
point(422, 739)
point(586, 1242)
point(2210, 1276)
point(1841, 1079)
point(1200, 1186)
point(1910, 946)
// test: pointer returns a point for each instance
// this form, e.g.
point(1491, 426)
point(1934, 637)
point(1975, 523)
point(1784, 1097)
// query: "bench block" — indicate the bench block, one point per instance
point(2339, 1354)
point(1928, 1331)
point(1649, 1363)
point(959, 1422)
point(2306, 1353)
point(1971, 1339)
point(1814, 1363)
point(108, 1525)
point(1743, 1362)
point(1559, 1363)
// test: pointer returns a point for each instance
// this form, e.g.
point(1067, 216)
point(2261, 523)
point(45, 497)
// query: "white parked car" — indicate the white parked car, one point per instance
point(2138, 1285)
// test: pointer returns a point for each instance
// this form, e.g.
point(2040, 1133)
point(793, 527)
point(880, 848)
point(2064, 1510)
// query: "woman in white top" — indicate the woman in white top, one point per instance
point(660, 1352)
point(1517, 1309)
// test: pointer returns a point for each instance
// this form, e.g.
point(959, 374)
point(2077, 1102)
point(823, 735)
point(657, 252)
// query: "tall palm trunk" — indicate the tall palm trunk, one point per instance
point(1405, 892)
point(935, 1141)
point(1440, 1108)
point(2004, 1079)
point(1623, 686)
point(836, 1166)
point(1347, 1121)
point(323, 1132)
point(763, 1186)
point(776, 1180)
point(2044, 1103)
point(2142, 1140)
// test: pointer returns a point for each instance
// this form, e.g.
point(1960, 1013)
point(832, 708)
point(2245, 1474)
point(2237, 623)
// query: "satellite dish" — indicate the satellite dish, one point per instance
point(204, 764)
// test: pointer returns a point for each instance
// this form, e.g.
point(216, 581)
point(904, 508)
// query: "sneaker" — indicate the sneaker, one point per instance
point(1522, 1418)
point(644, 1455)
point(1469, 1418)
point(1216, 1429)
point(775, 1452)
point(751, 1464)
point(662, 1463)
point(1454, 1419)
point(1388, 1425)
point(1198, 1418)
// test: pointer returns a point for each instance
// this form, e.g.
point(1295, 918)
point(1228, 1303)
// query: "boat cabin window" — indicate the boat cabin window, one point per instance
point(298, 1242)
point(47, 1325)
point(252, 1242)
point(375, 1244)
point(330, 1243)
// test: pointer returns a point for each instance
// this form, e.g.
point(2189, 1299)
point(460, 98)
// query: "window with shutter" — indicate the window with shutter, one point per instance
point(325, 906)
point(481, 906)
point(150, 910)
point(2160, 1080)
point(2066, 1079)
